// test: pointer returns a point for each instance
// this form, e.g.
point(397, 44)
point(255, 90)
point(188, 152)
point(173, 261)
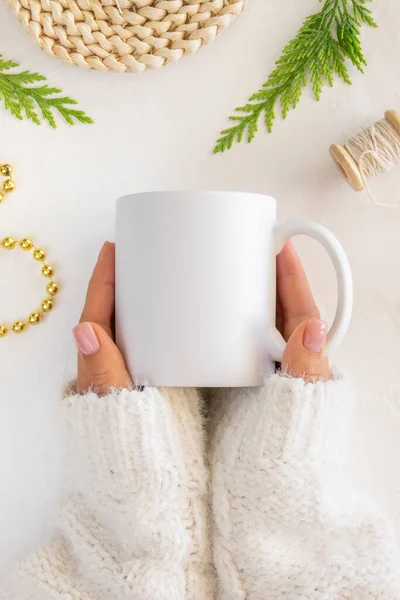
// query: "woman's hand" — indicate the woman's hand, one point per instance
point(299, 321)
point(100, 363)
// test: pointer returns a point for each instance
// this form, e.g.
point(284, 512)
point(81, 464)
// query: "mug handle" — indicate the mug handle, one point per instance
point(282, 233)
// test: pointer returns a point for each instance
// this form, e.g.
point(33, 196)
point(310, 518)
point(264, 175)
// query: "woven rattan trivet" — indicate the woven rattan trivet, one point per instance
point(124, 35)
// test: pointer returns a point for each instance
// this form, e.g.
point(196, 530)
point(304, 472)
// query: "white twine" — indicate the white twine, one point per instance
point(376, 150)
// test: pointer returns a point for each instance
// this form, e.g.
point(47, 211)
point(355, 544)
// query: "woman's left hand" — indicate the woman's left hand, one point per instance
point(299, 321)
point(100, 363)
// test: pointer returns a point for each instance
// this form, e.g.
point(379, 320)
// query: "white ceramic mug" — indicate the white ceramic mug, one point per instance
point(196, 286)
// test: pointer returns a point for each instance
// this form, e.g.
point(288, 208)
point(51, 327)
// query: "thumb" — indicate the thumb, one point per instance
point(100, 363)
point(304, 354)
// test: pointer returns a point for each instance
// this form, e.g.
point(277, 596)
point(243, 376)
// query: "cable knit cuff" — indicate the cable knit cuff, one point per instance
point(290, 419)
point(305, 419)
point(123, 434)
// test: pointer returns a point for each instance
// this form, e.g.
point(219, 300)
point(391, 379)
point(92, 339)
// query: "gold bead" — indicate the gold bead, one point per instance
point(2, 196)
point(47, 271)
point(8, 243)
point(39, 254)
point(3, 330)
point(34, 318)
point(47, 305)
point(8, 185)
point(6, 170)
point(52, 288)
point(26, 244)
point(18, 327)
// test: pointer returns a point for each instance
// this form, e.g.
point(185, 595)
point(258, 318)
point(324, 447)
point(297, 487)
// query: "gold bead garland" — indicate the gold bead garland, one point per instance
point(47, 271)
point(8, 184)
point(39, 255)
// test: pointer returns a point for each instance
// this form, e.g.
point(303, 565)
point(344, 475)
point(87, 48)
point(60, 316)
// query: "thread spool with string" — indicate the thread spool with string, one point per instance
point(370, 153)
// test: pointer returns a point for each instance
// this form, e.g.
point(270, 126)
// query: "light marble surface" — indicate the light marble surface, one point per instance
point(156, 131)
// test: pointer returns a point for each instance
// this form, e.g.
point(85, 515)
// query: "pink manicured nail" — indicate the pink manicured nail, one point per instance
point(314, 338)
point(86, 339)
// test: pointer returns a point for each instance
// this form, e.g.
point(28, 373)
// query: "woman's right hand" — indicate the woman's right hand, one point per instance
point(299, 321)
point(100, 363)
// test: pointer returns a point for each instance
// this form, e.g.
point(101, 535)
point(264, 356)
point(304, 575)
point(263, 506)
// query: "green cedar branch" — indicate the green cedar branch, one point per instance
point(25, 97)
point(318, 53)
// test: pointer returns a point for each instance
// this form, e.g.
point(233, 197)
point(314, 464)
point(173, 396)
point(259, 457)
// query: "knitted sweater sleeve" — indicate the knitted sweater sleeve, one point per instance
point(135, 525)
point(286, 523)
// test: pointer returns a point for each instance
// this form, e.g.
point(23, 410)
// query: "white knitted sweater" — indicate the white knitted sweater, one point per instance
point(282, 524)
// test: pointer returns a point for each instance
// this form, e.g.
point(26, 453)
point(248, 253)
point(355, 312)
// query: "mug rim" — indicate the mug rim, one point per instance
point(222, 193)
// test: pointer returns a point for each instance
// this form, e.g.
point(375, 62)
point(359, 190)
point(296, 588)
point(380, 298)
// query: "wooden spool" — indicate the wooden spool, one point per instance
point(346, 163)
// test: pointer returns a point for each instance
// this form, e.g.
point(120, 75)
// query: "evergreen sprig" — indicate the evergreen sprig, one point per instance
point(24, 98)
point(318, 53)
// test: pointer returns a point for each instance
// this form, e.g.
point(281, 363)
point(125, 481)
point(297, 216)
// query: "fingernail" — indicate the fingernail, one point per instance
point(86, 339)
point(314, 338)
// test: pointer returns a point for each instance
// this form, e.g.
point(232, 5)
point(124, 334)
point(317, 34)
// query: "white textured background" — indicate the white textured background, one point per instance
point(156, 131)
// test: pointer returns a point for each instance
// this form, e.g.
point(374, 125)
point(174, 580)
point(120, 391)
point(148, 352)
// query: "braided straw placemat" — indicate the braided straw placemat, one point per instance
point(124, 35)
